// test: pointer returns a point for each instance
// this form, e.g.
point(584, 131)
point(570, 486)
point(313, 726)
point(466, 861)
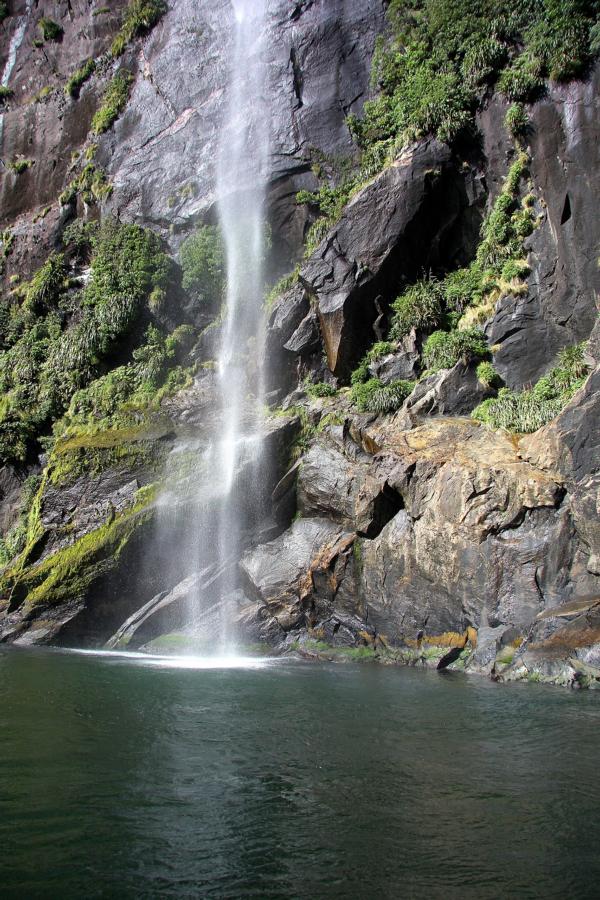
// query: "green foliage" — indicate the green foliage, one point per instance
point(506, 225)
point(18, 166)
point(15, 540)
point(526, 411)
point(4, 11)
point(79, 77)
point(113, 103)
point(379, 349)
point(47, 358)
point(440, 53)
point(91, 184)
point(202, 258)
point(463, 287)
point(444, 349)
point(516, 120)
point(5, 92)
point(373, 396)
point(321, 389)
point(420, 306)
point(487, 375)
point(140, 16)
point(46, 285)
point(79, 237)
point(522, 80)
point(51, 31)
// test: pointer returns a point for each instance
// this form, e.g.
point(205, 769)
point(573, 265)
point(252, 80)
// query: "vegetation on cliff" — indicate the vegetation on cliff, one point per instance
point(58, 337)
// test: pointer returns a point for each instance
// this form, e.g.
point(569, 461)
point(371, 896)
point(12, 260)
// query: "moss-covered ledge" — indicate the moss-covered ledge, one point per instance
point(67, 576)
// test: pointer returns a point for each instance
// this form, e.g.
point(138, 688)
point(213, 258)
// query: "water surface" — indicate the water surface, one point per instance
point(132, 778)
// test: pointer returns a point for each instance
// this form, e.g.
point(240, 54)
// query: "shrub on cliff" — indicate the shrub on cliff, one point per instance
point(113, 103)
point(373, 396)
point(526, 411)
point(430, 70)
point(79, 77)
point(421, 306)
point(202, 258)
point(51, 30)
point(62, 340)
point(139, 17)
point(443, 349)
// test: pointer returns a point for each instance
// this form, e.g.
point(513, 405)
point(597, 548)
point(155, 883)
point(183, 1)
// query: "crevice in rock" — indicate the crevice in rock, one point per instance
point(297, 77)
point(566, 212)
point(450, 657)
point(386, 506)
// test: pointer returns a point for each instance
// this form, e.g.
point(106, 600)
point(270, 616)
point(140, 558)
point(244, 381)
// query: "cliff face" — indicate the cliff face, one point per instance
point(399, 526)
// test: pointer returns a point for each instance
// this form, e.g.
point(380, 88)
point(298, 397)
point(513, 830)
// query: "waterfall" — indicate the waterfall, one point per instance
point(15, 43)
point(233, 460)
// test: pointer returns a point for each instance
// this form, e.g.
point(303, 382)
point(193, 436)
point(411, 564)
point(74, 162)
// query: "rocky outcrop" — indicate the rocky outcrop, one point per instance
point(561, 304)
point(406, 221)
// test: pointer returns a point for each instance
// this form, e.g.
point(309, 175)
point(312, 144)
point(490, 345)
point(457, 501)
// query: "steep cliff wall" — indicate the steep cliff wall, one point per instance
point(436, 280)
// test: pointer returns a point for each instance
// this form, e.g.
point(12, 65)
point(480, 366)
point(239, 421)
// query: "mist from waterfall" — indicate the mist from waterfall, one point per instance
point(230, 490)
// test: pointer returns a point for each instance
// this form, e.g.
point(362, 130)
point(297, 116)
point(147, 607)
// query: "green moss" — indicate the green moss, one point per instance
point(113, 103)
point(69, 573)
point(5, 92)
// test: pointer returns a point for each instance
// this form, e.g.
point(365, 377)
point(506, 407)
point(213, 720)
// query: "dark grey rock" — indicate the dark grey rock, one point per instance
point(403, 364)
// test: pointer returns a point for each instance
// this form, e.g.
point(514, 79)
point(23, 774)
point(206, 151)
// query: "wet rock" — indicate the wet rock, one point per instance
point(10, 497)
point(254, 623)
point(165, 612)
point(570, 445)
point(561, 647)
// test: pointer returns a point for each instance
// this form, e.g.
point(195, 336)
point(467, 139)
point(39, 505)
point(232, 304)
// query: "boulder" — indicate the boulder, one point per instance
point(456, 391)
point(403, 364)
point(280, 574)
point(349, 491)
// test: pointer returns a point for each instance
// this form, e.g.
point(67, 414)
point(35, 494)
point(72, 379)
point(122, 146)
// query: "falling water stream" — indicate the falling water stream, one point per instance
point(233, 459)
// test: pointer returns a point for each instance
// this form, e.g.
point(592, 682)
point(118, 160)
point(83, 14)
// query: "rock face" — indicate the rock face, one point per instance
point(405, 221)
point(561, 305)
point(417, 535)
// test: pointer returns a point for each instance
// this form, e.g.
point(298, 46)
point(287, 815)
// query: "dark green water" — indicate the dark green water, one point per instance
point(126, 779)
